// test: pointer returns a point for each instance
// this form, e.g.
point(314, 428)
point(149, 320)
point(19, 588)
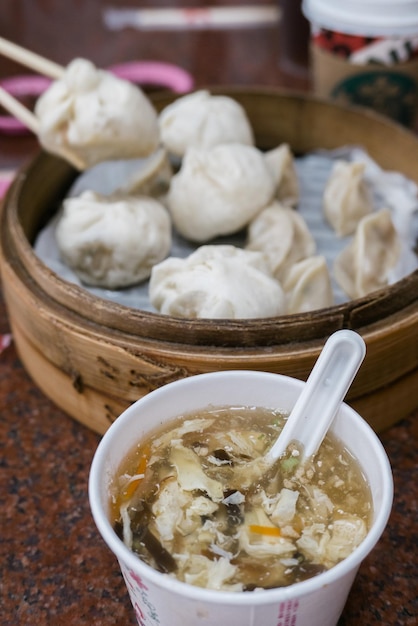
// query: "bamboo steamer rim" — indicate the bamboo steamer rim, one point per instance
point(289, 113)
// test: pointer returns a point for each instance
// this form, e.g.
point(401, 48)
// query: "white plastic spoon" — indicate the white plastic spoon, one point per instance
point(322, 395)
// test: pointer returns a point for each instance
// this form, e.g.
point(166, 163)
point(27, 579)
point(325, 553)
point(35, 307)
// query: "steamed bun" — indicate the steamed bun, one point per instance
point(218, 281)
point(203, 120)
point(218, 191)
point(113, 242)
point(95, 116)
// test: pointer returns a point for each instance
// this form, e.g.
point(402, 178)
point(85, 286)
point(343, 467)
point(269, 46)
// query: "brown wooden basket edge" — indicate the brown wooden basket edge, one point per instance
point(287, 329)
point(381, 409)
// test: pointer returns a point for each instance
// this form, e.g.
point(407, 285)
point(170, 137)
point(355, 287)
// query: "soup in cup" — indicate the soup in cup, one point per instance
point(134, 509)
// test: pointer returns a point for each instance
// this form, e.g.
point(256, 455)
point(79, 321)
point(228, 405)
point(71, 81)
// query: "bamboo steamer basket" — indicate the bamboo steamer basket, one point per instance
point(93, 357)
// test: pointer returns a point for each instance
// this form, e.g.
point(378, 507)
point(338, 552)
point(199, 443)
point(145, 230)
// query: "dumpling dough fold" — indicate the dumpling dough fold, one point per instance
point(364, 265)
point(308, 286)
point(282, 167)
point(282, 235)
point(346, 198)
point(219, 281)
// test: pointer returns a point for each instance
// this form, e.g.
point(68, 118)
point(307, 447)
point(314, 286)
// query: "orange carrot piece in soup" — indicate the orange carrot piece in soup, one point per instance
point(270, 531)
point(140, 472)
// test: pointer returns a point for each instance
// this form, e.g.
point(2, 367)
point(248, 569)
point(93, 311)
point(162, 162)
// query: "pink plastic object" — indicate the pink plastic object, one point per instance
point(5, 341)
point(6, 178)
point(155, 73)
point(21, 86)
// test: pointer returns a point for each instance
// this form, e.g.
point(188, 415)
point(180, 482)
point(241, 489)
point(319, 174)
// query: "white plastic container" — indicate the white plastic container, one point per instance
point(163, 601)
point(366, 53)
point(372, 18)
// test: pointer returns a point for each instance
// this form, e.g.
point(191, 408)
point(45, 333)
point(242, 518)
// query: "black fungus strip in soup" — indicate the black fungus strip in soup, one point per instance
point(192, 502)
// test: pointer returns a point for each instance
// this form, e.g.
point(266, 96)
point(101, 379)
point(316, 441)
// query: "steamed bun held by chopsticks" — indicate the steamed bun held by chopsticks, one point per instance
point(113, 242)
point(203, 120)
point(96, 116)
point(218, 281)
point(218, 191)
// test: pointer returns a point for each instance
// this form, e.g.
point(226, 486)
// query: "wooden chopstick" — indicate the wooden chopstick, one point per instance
point(30, 59)
point(14, 107)
point(29, 119)
point(20, 112)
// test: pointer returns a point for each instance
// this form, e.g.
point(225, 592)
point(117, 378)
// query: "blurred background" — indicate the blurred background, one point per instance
point(216, 43)
point(63, 29)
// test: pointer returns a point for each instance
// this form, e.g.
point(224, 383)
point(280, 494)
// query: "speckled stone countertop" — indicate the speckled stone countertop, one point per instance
point(54, 566)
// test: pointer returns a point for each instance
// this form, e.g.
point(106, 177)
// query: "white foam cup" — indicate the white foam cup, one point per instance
point(160, 600)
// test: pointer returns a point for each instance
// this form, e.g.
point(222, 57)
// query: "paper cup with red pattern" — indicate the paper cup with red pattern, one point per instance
point(365, 52)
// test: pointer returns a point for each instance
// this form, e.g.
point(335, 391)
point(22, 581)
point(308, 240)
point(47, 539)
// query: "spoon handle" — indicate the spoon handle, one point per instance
point(322, 394)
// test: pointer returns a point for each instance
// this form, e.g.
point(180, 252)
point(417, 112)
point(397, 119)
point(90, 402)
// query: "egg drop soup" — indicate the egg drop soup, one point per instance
point(196, 502)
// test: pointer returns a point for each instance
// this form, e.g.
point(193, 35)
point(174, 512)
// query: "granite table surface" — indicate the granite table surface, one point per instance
point(56, 569)
point(54, 566)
